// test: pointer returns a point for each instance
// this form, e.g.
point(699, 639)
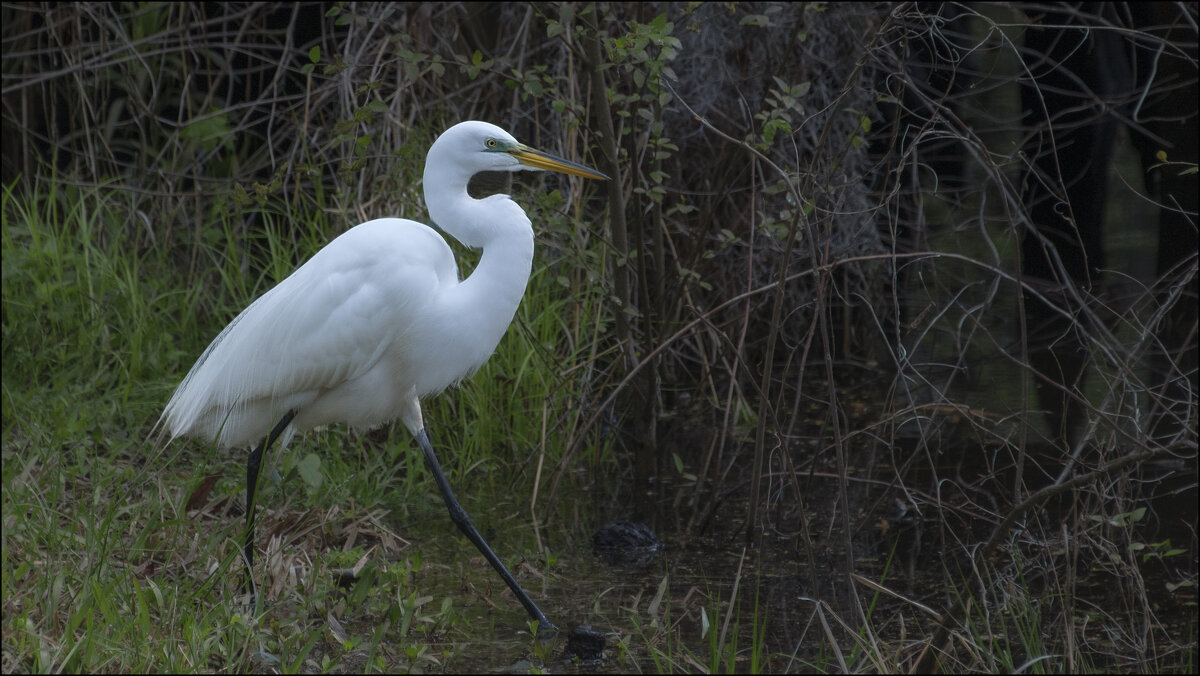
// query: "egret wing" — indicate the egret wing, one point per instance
point(327, 323)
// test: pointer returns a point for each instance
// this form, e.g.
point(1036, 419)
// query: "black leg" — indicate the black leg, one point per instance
point(252, 465)
point(459, 516)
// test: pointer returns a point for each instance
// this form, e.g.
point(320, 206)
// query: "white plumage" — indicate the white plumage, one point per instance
point(375, 320)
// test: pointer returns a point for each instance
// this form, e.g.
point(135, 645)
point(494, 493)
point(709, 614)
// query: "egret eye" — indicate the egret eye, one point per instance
point(491, 143)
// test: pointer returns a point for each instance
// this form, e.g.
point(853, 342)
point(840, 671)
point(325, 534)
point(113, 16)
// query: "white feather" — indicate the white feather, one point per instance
point(375, 320)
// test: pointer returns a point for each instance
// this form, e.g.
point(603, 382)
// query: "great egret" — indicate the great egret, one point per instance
point(374, 321)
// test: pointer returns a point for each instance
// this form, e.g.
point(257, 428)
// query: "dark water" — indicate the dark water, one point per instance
point(713, 593)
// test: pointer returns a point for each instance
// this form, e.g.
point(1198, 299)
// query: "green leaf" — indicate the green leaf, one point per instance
point(209, 132)
point(310, 470)
point(314, 54)
point(774, 126)
point(1128, 518)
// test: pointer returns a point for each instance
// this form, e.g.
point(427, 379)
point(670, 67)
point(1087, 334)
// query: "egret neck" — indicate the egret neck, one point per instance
point(473, 315)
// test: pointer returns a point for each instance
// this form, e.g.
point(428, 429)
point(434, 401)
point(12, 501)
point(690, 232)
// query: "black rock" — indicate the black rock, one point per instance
point(585, 644)
point(626, 544)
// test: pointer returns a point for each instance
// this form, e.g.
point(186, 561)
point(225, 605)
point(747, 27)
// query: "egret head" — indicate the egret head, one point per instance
point(479, 146)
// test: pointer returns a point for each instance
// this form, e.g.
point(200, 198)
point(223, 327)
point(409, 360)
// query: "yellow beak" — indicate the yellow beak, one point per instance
point(531, 157)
